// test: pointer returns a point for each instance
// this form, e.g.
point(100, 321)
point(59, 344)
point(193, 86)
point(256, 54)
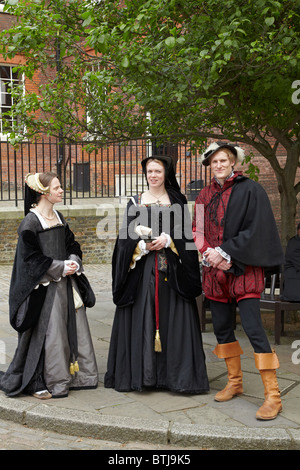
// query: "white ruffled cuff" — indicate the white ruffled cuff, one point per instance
point(219, 250)
point(168, 242)
point(223, 254)
point(67, 262)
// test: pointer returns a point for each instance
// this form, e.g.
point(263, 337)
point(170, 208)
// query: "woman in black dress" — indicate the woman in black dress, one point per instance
point(47, 304)
point(156, 339)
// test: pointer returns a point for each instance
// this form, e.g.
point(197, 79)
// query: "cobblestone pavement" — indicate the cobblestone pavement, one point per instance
point(103, 419)
point(14, 436)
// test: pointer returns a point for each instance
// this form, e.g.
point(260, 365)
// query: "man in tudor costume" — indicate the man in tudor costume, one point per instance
point(235, 231)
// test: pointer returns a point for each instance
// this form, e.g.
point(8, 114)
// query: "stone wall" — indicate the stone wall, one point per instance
point(95, 228)
point(96, 225)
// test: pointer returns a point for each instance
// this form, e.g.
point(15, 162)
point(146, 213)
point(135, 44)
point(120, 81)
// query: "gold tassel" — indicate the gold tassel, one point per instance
point(72, 368)
point(76, 366)
point(157, 343)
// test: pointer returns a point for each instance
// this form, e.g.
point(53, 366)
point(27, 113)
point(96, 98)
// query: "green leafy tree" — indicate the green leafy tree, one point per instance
point(177, 69)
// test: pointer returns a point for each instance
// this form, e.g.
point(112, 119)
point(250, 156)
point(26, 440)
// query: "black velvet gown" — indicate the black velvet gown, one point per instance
point(45, 341)
point(133, 363)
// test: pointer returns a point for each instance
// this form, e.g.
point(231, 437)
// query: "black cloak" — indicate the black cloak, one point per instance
point(30, 266)
point(183, 271)
point(291, 286)
point(134, 362)
point(250, 233)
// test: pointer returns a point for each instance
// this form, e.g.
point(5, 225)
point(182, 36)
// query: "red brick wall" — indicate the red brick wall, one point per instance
point(267, 179)
point(108, 162)
point(5, 21)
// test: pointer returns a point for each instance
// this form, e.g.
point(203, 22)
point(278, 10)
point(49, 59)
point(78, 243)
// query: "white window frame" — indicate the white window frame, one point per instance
point(89, 136)
point(2, 4)
point(3, 136)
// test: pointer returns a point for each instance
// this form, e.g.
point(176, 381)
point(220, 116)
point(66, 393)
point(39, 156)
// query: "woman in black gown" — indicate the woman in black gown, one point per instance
point(156, 339)
point(47, 305)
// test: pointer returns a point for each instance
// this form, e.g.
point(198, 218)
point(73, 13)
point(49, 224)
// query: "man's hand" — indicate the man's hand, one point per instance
point(224, 265)
point(216, 260)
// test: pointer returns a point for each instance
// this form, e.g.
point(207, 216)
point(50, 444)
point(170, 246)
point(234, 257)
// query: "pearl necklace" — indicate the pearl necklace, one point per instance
point(49, 218)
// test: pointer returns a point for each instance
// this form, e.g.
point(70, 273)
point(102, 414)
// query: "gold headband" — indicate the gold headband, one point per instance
point(33, 181)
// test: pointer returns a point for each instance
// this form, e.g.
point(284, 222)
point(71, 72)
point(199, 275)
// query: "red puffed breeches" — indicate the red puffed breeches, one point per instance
point(222, 287)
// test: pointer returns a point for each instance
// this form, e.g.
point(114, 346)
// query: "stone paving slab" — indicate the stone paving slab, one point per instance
point(159, 417)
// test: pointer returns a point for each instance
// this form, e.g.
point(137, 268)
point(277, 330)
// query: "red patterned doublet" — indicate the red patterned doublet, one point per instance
point(208, 228)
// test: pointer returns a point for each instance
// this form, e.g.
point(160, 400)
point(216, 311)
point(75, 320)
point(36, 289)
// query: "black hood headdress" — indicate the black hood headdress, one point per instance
point(33, 189)
point(170, 177)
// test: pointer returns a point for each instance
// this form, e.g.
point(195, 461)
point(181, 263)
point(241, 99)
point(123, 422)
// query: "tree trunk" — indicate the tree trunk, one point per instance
point(288, 202)
point(288, 196)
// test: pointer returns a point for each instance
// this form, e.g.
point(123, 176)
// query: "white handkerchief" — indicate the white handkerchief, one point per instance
point(143, 231)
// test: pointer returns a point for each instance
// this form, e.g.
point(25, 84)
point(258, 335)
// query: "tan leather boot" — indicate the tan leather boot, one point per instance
point(231, 352)
point(267, 363)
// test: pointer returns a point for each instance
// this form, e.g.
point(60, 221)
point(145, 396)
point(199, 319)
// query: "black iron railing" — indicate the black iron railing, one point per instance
point(104, 171)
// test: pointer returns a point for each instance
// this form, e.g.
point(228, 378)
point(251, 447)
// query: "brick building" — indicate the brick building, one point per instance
point(109, 171)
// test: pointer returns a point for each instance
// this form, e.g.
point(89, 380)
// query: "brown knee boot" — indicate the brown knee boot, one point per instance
point(267, 363)
point(231, 352)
